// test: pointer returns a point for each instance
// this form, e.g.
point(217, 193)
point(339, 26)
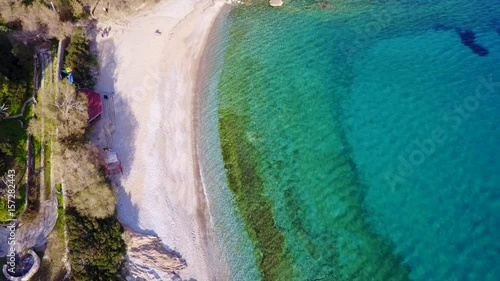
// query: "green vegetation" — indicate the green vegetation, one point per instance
point(20, 204)
point(85, 183)
point(13, 156)
point(241, 159)
point(239, 162)
point(61, 108)
point(15, 78)
point(16, 62)
point(80, 60)
point(12, 145)
point(60, 199)
point(94, 234)
point(92, 227)
point(47, 168)
point(60, 210)
point(96, 247)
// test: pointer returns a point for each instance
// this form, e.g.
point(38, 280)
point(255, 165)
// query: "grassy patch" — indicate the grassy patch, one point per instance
point(60, 207)
point(20, 204)
point(47, 169)
point(37, 144)
point(80, 60)
point(60, 199)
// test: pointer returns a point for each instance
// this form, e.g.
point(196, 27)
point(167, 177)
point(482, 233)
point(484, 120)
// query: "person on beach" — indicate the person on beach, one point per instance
point(157, 32)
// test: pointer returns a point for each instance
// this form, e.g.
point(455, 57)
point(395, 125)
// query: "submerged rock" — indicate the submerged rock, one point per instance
point(324, 5)
point(276, 3)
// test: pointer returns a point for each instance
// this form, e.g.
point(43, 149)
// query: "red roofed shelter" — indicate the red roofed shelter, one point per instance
point(95, 104)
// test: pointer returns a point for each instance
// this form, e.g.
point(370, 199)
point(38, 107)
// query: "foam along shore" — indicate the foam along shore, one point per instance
point(148, 65)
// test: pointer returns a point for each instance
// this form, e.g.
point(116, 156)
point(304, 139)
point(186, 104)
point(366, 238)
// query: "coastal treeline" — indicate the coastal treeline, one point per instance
point(60, 119)
point(90, 216)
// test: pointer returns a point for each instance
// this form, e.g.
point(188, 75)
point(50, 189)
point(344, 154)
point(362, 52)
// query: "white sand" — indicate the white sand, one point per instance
point(152, 78)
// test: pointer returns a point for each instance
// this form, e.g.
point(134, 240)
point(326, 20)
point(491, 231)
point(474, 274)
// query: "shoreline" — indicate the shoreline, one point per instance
point(200, 71)
point(152, 84)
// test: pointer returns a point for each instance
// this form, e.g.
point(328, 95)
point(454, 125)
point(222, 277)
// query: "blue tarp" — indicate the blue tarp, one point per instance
point(70, 78)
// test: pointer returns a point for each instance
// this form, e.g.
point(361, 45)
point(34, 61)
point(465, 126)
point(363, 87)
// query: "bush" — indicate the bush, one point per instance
point(16, 63)
point(15, 86)
point(12, 145)
point(96, 247)
point(96, 201)
point(79, 60)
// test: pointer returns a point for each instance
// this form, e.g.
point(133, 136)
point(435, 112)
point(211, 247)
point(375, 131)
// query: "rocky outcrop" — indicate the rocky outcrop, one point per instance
point(146, 255)
point(31, 234)
point(276, 3)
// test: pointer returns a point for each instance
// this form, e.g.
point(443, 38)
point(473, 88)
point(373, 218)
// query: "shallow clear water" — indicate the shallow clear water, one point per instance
point(228, 225)
point(356, 144)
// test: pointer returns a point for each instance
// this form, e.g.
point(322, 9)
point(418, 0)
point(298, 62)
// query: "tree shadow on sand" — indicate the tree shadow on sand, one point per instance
point(123, 133)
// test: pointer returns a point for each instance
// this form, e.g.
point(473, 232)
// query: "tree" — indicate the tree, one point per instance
point(35, 17)
point(72, 112)
point(80, 60)
point(16, 64)
point(10, 64)
point(96, 246)
point(63, 108)
point(86, 186)
point(95, 201)
point(6, 155)
point(80, 167)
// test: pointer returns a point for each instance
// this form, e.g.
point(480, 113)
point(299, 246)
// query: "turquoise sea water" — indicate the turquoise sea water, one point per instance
point(359, 141)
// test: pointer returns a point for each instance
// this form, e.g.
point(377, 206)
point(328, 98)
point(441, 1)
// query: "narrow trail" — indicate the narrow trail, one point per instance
point(45, 58)
point(29, 101)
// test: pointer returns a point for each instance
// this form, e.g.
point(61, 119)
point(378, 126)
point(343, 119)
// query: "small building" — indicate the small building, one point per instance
point(94, 105)
point(111, 162)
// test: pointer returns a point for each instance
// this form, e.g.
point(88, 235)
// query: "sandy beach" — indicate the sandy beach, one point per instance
point(149, 81)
